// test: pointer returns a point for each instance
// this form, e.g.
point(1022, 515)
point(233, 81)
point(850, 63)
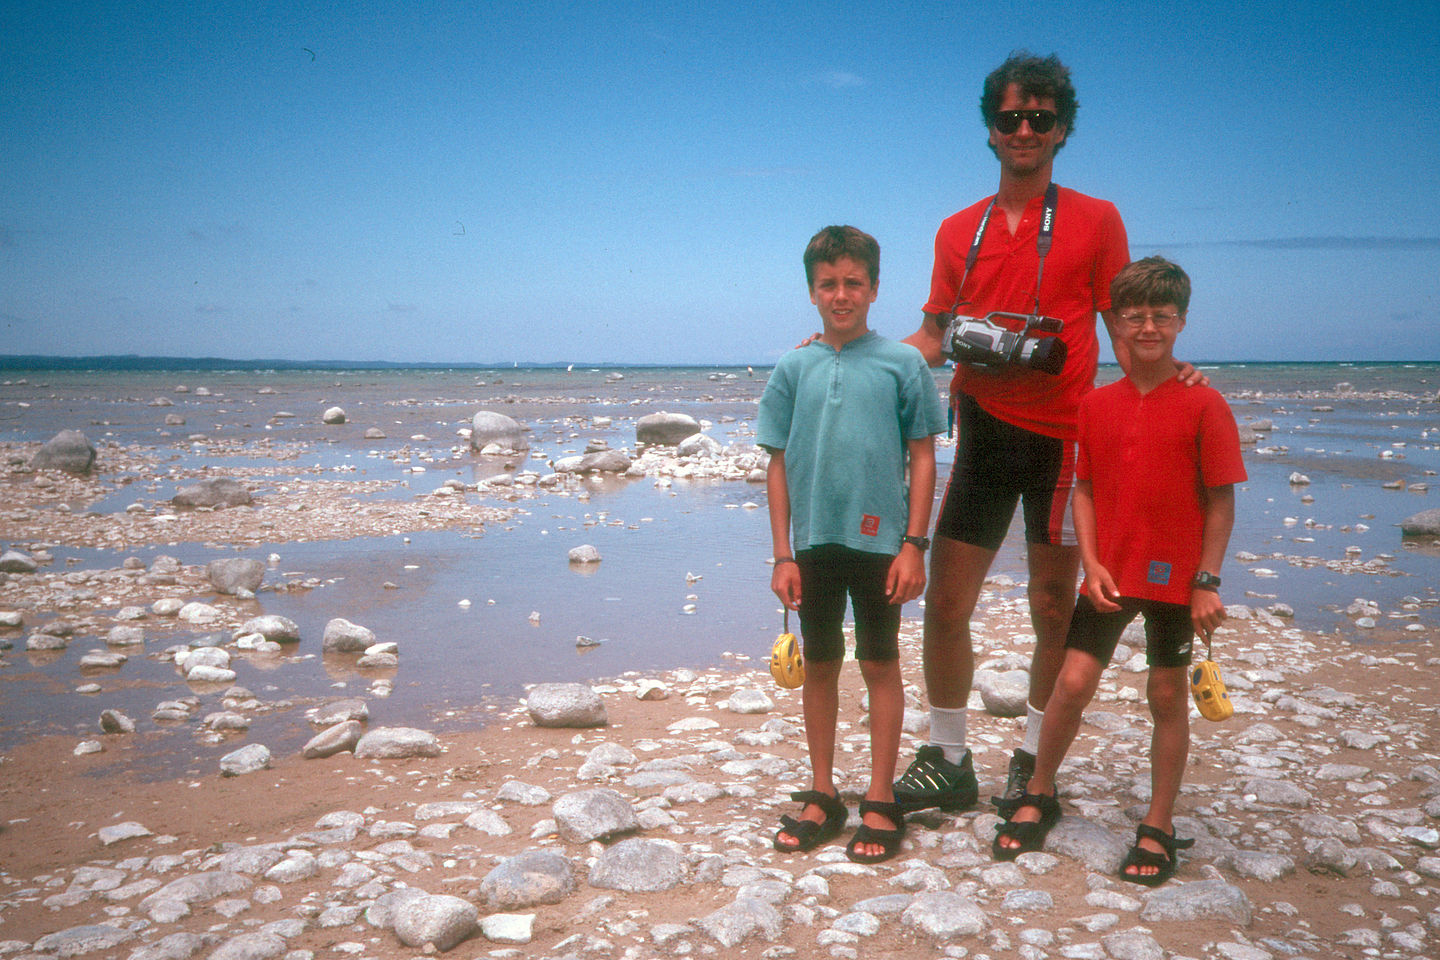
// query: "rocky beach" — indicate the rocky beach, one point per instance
point(199, 774)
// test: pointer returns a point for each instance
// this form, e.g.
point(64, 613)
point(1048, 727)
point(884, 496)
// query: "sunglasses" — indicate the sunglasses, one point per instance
point(1041, 121)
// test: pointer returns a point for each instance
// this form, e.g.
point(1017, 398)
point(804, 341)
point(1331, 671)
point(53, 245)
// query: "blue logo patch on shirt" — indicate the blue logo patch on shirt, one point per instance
point(1159, 573)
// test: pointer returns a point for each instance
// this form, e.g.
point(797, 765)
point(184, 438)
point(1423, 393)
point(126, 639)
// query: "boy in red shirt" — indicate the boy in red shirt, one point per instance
point(1154, 505)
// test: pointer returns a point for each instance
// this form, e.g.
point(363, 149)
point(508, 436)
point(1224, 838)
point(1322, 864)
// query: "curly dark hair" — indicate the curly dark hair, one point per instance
point(832, 243)
point(1037, 77)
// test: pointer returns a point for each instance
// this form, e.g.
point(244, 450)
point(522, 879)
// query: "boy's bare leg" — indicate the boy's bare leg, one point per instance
point(1053, 574)
point(887, 713)
point(1073, 690)
point(1168, 691)
point(821, 703)
point(957, 572)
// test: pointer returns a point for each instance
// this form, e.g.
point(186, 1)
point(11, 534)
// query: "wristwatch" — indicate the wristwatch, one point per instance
point(1206, 581)
point(920, 543)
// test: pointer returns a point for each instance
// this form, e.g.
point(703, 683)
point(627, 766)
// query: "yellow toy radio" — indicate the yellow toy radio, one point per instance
point(786, 664)
point(1208, 689)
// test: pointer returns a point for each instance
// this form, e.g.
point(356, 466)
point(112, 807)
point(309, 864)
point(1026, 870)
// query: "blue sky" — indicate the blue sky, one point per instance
point(635, 182)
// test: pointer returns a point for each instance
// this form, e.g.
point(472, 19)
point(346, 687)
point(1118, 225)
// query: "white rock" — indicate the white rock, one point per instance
point(508, 927)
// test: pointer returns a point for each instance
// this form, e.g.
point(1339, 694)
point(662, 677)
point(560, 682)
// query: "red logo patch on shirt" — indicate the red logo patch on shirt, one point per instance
point(869, 526)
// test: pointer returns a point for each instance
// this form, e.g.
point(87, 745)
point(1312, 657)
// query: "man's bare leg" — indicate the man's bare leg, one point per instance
point(1053, 574)
point(1053, 570)
point(957, 573)
point(1074, 689)
point(942, 774)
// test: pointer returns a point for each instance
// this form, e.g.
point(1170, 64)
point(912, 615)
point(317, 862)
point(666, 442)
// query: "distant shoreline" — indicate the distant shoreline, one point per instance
point(133, 362)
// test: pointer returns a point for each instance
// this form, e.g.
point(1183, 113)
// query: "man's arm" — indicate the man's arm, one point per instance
point(906, 578)
point(928, 339)
point(785, 578)
point(1099, 585)
point(1122, 350)
point(1206, 610)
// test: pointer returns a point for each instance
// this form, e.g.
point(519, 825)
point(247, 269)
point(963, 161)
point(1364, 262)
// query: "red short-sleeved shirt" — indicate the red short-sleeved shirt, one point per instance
point(1148, 459)
point(1089, 248)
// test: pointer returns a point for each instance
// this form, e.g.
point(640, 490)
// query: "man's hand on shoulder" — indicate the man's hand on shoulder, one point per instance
point(928, 339)
point(809, 340)
point(1189, 375)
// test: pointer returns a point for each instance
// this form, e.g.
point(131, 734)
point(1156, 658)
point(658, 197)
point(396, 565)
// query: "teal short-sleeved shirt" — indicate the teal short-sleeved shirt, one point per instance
point(843, 418)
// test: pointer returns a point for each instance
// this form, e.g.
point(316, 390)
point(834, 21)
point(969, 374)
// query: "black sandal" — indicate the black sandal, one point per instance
point(1140, 857)
point(888, 840)
point(808, 833)
point(1031, 834)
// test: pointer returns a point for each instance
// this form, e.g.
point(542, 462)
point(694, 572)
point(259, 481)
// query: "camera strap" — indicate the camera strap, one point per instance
point(1043, 240)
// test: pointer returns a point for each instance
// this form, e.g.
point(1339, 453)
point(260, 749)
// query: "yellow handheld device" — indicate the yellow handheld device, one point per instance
point(786, 664)
point(1208, 689)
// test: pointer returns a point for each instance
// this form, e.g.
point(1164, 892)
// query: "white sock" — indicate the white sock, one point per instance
point(947, 731)
point(1033, 719)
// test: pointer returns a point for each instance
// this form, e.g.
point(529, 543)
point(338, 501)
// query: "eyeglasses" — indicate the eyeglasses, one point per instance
point(1041, 121)
point(1162, 321)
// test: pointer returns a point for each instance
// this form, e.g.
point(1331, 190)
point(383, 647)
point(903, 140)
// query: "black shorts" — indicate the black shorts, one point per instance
point(827, 573)
point(998, 464)
point(1168, 630)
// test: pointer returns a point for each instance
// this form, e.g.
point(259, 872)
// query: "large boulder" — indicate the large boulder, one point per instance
point(1426, 523)
point(272, 627)
point(528, 879)
point(342, 636)
point(440, 920)
point(395, 743)
point(666, 429)
point(339, 738)
point(600, 461)
point(214, 492)
point(230, 575)
point(585, 815)
point(699, 445)
point(68, 450)
point(488, 427)
point(14, 561)
point(565, 705)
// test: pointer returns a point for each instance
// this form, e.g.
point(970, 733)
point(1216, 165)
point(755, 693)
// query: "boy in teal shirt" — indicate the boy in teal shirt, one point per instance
point(840, 417)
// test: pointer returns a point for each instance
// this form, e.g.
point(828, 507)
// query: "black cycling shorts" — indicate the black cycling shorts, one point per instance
point(998, 464)
point(827, 574)
point(1168, 630)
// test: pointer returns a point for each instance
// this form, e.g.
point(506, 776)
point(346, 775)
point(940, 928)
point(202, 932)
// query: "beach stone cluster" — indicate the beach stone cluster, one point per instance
point(632, 819)
point(588, 841)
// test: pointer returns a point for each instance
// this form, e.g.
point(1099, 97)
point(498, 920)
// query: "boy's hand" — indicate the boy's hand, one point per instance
point(1206, 610)
point(906, 578)
point(785, 581)
point(1100, 588)
point(1189, 375)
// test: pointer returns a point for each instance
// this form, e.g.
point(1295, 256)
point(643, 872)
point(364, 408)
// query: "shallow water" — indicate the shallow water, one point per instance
point(453, 657)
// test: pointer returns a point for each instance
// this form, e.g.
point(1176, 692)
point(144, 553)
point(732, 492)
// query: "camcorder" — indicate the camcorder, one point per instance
point(986, 341)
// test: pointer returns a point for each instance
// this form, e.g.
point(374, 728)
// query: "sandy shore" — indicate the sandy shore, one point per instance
point(1316, 807)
